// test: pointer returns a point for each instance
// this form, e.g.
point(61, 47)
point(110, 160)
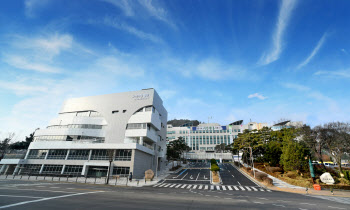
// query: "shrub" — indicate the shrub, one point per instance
point(260, 176)
point(344, 181)
point(215, 167)
point(291, 174)
point(274, 169)
point(213, 161)
point(268, 181)
point(248, 169)
point(347, 175)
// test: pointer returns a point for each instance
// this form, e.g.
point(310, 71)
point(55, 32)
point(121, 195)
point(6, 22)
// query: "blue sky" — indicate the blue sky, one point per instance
point(232, 60)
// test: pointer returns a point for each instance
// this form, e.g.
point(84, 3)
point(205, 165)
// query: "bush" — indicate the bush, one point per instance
point(213, 161)
point(343, 181)
point(260, 176)
point(215, 167)
point(268, 181)
point(274, 169)
point(347, 175)
point(248, 169)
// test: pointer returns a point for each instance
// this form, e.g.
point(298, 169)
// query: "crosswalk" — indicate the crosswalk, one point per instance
point(211, 187)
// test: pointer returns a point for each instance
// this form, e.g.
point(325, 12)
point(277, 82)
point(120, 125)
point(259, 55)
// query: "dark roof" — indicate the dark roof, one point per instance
point(282, 123)
point(239, 122)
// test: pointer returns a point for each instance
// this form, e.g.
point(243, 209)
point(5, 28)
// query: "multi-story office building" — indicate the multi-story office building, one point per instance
point(125, 128)
point(205, 137)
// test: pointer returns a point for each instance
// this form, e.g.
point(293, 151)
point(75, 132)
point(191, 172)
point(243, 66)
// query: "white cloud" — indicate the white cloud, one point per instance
point(23, 89)
point(342, 74)
point(344, 51)
point(314, 51)
point(257, 95)
point(31, 6)
point(157, 12)
point(285, 12)
point(123, 5)
point(296, 86)
point(113, 22)
point(21, 62)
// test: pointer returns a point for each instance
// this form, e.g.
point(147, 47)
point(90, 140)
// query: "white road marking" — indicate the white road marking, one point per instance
point(195, 186)
point(258, 202)
point(228, 198)
point(236, 188)
point(54, 187)
point(211, 187)
point(206, 187)
point(233, 176)
point(191, 177)
point(217, 187)
point(36, 190)
point(248, 188)
point(184, 176)
point(71, 188)
point(200, 187)
point(161, 185)
point(172, 185)
point(242, 188)
point(178, 186)
point(44, 199)
point(223, 187)
point(279, 205)
point(239, 183)
point(189, 186)
point(19, 196)
point(229, 187)
point(254, 189)
point(198, 175)
point(332, 207)
point(183, 186)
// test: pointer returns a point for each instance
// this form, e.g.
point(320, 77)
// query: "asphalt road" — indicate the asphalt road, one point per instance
point(231, 176)
point(195, 173)
point(20, 194)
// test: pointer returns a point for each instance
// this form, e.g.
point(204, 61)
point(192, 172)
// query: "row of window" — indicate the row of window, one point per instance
point(208, 139)
point(137, 126)
point(81, 154)
point(85, 126)
point(68, 138)
point(83, 114)
point(204, 131)
point(68, 169)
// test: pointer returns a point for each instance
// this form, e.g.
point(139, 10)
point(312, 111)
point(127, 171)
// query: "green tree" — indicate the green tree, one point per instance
point(176, 148)
point(273, 152)
point(23, 144)
point(5, 145)
point(293, 155)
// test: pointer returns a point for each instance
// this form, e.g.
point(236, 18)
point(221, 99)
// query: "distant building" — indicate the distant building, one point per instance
point(205, 137)
point(286, 124)
point(127, 127)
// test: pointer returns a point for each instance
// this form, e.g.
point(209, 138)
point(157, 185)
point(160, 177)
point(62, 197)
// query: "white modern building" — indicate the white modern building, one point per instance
point(128, 129)
point(203, 138)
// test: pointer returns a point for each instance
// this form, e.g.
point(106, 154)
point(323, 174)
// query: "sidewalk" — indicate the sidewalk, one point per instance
point(280, 185)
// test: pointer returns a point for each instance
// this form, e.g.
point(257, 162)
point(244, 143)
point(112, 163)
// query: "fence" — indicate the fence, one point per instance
point(121, 181)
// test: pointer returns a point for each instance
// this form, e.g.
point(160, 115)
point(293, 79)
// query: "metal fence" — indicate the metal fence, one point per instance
point(123, 181)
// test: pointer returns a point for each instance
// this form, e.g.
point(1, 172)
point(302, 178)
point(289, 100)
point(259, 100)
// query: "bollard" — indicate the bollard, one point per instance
point(36, 178)
point(13, 177)
point(28, 177)
point(95, 181)
point(138, 182)
point(59, 179)
point(76, 180)
point(116, 180)
point(44, 177)
point(85, 179)
point(307, 190)
point(126, 182)
point(67, 178)
point(332, 190)
point(52, 179)
point(6, 176)
point(21, 176)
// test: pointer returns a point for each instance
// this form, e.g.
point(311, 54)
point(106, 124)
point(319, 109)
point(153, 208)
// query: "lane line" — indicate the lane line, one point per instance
point(233, 176)
point(198, 175)
point(239, 183)
point(184, 176)
point(36, 190)
point(20, 196)
point(45, 199)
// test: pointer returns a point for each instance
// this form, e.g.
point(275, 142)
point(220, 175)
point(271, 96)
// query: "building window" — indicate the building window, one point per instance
point(123, 155)
point(99, 154)
point(30, 169)
point(52, 169)
point(73, 170)
point(136, 126)
point(121, 171)
point(148, 108)
point(57, 154)
point(115, 111)
point(37, 154)
point(83, 114)
point(124, 110)
point(79, 154)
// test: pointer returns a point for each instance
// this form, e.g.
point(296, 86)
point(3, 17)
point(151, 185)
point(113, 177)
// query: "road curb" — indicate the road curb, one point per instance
point(249, 177)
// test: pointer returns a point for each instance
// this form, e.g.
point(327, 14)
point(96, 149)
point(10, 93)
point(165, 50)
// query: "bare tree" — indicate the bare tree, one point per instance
point(336, 137)
point(5, 145)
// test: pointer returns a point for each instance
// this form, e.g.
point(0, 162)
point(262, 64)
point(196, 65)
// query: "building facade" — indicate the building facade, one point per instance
point(128, 129)
point(205, 137)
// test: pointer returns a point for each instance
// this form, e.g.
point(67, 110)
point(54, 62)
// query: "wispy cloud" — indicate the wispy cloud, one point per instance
point(113, 22)
point(285, 12)
point(124, 5)
point(296, 86)
point(31, 6)
point(257, 95)
point(23, 89)
point(25, 64)
point(337, 74)
point(344, 51)
point(314, 51)
point(117, 66)
point(157, 12)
